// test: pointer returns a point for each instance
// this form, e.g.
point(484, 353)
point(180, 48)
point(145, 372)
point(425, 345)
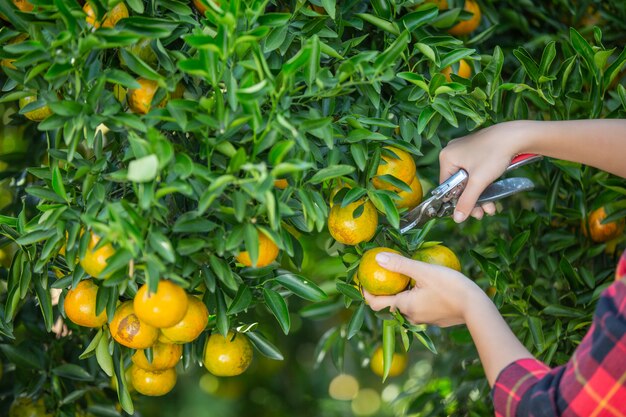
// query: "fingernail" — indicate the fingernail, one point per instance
point(382, 259)
point(458, 216)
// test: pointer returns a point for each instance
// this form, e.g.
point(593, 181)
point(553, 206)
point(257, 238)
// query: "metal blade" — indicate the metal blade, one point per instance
point(505, 188)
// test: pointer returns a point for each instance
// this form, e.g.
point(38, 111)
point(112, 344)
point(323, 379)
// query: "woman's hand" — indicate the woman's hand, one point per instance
point(484, 155)
point(441, 296)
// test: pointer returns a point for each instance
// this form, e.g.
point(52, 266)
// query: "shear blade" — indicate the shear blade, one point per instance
point(504, 188)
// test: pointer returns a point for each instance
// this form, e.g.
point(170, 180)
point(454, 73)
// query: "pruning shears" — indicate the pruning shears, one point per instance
point(443, 199)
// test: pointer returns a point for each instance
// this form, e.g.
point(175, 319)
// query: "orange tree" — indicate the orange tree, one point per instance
point(200, 145)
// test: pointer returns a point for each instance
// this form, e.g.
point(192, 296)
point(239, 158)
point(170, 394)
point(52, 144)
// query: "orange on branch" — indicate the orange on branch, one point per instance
point(80, 305)
point(140, 99)
point(163, 308)
point(152, 383)
point(128, 330)
point(465, 27)
point(268, 252)
point(400, 166)
point(464, 70)
point(227, 356)
point(398, 363)
point(438, 255)
point(603, 232)
point(191, 326)
point(164, 356)
point(95, 260)
point(350, 230)
point(109, 20)
point(410, 200)
point(281, 183)
point(38, 114)
point(378, 280)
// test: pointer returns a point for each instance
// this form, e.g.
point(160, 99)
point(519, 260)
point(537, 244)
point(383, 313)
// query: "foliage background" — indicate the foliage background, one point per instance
point(277, 89)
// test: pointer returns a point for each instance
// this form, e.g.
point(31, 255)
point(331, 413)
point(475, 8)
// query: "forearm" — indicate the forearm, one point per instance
point(496, 344)
point(598, 143)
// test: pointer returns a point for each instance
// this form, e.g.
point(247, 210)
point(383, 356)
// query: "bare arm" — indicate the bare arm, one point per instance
point(486, 153)
point(445, 297)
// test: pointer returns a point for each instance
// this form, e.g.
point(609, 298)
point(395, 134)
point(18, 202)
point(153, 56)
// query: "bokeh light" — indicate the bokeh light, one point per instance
point(343, 387)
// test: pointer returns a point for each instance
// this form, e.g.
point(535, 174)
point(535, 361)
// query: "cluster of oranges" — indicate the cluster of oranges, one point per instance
point(162, 321)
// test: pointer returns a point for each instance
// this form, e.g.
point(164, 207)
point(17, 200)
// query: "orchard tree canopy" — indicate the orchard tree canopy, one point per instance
point(186, 179)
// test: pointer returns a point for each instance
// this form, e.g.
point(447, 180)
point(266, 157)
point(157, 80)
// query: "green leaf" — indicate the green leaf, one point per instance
point(331, 172)
point(423, 15)
point(356, 322)
point(243, 300)
point(393, 52)
point(302, 287)
point(120, 259)
point(143, 169)
point(549, 53)
point(349, 291)
point(536, 331)
point(162, 245)
point(138, 66)
point(277, 305)
point(72, 371)
point(105, 360)
point(389, 345)
point(383, 24)
point(264, 346)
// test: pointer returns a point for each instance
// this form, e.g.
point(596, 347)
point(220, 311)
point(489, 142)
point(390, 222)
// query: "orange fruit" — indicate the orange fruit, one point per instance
point(80, 305)
point(464, 70)
point(95, 261)
point(191, 326)
point(398, 363)
point(201, 7)
point(438, 255)
point(411, 199)
point(140, 99)
point(376, 279)
point(164, 356)
point(603, 232)
point(110, 19)
point(227, 356)
point(441, 4)
point(281, 183)
point(465, 27)
point(268, 252)
point(152, 383)
point(163, 308)
point(38, 114)
point(24, 5)
point(347, 229)
point(491, 291)
point(402, 167)
point(128, 330)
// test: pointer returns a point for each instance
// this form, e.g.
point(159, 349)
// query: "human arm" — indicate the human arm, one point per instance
point(486, 153)
point(445, 297)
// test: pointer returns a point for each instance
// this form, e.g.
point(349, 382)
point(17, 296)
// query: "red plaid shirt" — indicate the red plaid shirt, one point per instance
point(591, 384)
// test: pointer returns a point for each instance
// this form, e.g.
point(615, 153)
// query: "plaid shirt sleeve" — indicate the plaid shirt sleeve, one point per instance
point(592, 383)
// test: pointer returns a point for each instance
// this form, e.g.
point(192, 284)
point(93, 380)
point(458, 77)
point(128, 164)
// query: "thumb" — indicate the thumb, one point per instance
point(467, 200)
point(403, 265)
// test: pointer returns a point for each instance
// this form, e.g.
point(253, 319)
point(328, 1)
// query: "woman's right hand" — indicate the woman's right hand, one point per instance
point(485, 155)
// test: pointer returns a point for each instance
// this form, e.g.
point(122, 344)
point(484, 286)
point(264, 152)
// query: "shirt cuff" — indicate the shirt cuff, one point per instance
point(513, 382)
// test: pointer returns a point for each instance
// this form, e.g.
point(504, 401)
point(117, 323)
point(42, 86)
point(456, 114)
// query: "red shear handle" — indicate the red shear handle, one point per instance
point(523, 159)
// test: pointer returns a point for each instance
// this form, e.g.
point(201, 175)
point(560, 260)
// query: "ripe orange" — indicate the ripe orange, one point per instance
point(603, 232)
point(128, 330)
point(225, 356)
point(268, 252)
point(164, 356)
point(95, 261)
point(491, 291)
point(80, 305)
point(438, 255)
point(191, 326)
point(465, 27)
point(140, 99)
point(378, 280)
point(347, 229)
point(411, 199)
point(398, 363)
point(152, 383)
point(36, 115)
point(110, 19)
point(163, 308)
point(281, 183)
point(402, 167)
point(464, 70)
point(24, 5)
point(201, 7)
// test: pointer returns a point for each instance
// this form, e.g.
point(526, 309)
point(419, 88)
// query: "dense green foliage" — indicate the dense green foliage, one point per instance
point(283, 90)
